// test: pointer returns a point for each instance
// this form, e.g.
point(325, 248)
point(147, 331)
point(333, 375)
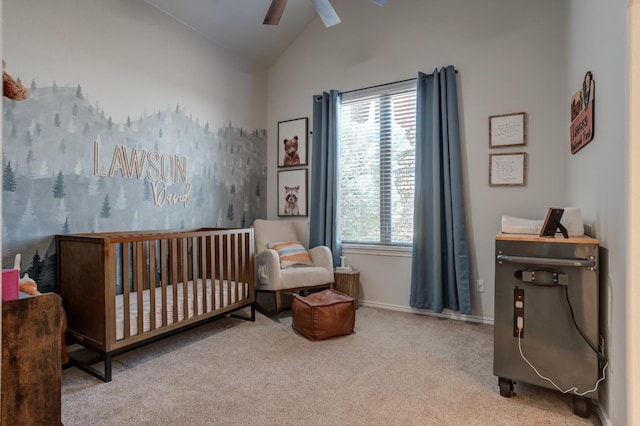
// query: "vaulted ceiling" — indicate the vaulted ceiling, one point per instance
point(236, 25)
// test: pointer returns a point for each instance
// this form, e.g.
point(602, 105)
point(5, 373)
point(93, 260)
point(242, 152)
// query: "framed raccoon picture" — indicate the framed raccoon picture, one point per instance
point(292, 142)
point(292, 193)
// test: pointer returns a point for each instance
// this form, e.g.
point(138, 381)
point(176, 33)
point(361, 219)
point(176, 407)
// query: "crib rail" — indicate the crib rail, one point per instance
point(181, 267)
point(160, 276)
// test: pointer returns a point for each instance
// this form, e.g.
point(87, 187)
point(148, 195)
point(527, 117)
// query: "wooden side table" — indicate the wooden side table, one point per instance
point(347, 282)
point(31, 373)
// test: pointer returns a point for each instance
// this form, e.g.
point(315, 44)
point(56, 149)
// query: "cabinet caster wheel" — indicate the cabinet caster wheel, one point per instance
point(506, 387)
point(581, 406)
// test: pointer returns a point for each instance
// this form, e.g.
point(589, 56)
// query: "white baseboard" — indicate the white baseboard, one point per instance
point(603, 418)
point(446, 314)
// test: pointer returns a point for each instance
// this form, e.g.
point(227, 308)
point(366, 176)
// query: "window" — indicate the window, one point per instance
point(377, 158)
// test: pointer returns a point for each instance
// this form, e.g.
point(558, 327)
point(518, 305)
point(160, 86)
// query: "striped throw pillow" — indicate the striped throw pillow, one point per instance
point(292, 254)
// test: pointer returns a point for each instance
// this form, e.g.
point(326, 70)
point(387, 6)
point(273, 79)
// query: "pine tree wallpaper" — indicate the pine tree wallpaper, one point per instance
point(69, 168)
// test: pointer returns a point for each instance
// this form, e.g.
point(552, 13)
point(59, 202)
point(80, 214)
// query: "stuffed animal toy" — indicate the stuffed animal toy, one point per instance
point(28, 285)
point(11, 88)
point(25, 284)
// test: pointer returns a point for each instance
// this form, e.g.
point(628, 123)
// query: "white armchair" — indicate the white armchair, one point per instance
point(272, 278)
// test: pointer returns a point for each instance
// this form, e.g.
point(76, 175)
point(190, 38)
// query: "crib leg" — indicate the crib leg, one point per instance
point(107, 368)
point(91, 357)
point(252, 316)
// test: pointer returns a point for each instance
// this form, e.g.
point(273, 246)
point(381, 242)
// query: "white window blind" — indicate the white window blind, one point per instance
point(377, 158)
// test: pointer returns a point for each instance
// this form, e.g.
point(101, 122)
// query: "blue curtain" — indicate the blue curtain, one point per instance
point(440, 258)
point(323, 214)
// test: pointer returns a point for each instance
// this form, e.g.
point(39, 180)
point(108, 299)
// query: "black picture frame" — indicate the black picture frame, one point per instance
point(552, 223)
point(293, 133)
point(293, 193)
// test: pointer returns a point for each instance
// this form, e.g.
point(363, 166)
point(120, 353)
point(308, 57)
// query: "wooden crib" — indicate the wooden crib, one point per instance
point(124, 289)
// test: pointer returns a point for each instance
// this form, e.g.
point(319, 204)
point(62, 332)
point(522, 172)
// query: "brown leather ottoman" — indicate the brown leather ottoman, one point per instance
point(323, 315)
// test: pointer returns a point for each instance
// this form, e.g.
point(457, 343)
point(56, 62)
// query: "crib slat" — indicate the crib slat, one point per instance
point(164, 251)
point(203, 273)
point(224, 268)
point(250, 265)
point(247, 266)
point(217, 266)
point(218, 269)
point(138, 266)
point(152, 285)
point(243, 268)
point(125, 290)
point(241, 273)
point(194, 274)
point(185, 278)
point(245, 274)
point(240, 278)
point(174, 276)
point(232, 268)
point(209, 270)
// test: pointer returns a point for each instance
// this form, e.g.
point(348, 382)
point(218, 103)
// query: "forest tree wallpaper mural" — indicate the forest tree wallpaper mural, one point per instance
point(69, 168)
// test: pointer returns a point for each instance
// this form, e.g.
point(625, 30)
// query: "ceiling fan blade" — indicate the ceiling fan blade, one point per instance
point(379, 2)
point(327, 12)
point(275, 12)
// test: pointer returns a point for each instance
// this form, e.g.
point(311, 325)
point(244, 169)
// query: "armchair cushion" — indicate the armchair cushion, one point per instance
point(273, 230)
point(291, 254)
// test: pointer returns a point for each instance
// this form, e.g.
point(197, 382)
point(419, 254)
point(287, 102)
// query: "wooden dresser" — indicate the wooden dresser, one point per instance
point(31, 389)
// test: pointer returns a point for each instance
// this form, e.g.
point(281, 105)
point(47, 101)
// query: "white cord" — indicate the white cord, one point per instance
point(573, 389)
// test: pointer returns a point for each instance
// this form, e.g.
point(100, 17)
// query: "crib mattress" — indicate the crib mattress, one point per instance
point(146, 297)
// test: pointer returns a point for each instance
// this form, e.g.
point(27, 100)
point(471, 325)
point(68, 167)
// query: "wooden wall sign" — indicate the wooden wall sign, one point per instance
point(582, 104)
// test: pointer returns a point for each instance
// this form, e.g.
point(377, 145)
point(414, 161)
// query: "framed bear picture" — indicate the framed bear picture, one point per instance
point(292, 142)
point(292, 193)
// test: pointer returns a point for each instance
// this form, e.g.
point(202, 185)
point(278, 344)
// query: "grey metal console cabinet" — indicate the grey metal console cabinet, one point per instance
point(547, 316)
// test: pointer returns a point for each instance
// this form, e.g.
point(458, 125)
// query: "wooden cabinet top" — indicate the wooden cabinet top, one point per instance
point(537, 239)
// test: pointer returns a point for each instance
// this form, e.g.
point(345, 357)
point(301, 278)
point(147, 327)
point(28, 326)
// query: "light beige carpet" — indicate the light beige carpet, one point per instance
point(397, 369)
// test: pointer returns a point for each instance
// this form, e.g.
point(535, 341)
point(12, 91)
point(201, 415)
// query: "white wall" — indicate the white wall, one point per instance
point(633, 241)
point(510, 55)
point(130, 60)
point(596, 175)
point(130, 56)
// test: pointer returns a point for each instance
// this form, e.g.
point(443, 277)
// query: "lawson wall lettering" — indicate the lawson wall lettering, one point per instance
point(160, 169)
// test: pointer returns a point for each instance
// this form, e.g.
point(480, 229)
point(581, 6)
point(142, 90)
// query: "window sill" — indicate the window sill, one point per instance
point(376, 250)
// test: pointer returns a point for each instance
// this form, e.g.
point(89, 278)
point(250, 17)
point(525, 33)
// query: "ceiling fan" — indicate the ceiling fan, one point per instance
point(323, 7)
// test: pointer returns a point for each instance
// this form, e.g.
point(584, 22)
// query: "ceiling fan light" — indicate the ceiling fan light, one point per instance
point(327, 12)
point(331, 22)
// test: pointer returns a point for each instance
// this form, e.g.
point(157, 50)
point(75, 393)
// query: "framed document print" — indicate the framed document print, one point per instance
point(508, 169)
point(507, 130)
point(292, 142)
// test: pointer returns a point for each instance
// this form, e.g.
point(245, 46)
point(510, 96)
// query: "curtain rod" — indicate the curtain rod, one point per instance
point(384, 84)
